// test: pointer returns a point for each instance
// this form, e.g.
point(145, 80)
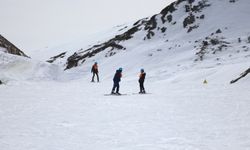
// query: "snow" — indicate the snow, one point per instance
point(70, 112)
point(2, 49)
point(16, 68)
point(181, 113)
point(43, 107)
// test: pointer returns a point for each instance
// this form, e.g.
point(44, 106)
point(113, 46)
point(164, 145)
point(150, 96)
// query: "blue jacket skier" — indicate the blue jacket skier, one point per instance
point(116, 80)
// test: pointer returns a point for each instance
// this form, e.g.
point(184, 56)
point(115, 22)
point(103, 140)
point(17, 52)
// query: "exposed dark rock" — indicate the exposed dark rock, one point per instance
point(150, 34)
point(192, 27)
point(214, 41)
point(170, 8)
point(190, 1)
point(73, 60)
point(242, 75)
point(170, 18)
point(82, 55)
point(193, 10)
point(136, 23)
point(52, 59)
point(123, 28)
point(150, 26)
point(127, 35)
point(202, 50)
point(202, 16)
point(179, 1)
point(248, 39)
point(188, 8)
point(188, 20)
point(202, 4)
point(218, 31)
point(205, 43)
point(163, 29)
point(212, 45)
point(163, 19)
point(232, 1)
point(239, 40)
point(1, 82)
point(11, 48)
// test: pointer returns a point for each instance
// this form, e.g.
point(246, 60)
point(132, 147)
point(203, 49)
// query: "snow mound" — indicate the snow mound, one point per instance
point(16, 68)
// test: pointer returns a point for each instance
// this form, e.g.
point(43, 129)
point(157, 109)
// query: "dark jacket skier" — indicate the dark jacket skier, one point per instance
point(141, 81)
point(94, 70)
point(116, 80)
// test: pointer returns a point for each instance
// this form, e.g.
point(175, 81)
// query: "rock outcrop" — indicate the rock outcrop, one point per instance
point(10, 48)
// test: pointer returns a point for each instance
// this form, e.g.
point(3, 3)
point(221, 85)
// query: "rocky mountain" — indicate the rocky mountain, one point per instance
point(195, 30)
point(8, 47)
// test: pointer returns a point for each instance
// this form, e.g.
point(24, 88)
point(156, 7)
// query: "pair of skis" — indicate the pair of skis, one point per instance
point(126, 94)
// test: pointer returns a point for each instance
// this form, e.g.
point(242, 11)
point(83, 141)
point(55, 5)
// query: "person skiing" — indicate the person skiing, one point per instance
point(94, 70)
point(116, 80)
point(141, 81)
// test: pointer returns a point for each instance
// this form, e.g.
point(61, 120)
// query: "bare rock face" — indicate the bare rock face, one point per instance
point(242, 75)
point(10, 48)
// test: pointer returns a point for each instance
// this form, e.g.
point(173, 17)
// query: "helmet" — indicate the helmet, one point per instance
point(120, 69)
point(95, 62)
point(142, 70)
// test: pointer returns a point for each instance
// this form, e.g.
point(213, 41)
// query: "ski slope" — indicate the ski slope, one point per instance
point(44, 107)
point(182, 113)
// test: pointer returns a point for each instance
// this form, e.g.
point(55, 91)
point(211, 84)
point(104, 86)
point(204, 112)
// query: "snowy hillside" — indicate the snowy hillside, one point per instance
point(15, 66)
point(186, 30)
point(15, 69)
point(54, 106)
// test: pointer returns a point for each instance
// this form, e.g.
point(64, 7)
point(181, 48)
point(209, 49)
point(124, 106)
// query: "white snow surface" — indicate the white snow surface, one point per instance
point(2, 49)
point(43, 107)
point(181, 113)
point(15, 68)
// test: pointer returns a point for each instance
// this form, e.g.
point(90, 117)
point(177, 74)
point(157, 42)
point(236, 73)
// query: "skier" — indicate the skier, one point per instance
point(141, 81)
point(94, 70)
point(116, 80)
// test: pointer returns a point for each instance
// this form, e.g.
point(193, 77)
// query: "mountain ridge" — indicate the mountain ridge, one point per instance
point(183, 23)
point(10, 48)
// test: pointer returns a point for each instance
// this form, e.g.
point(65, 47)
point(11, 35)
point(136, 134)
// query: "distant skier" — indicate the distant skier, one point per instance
point(141, 81)
point(116, 80)
point(94, 70)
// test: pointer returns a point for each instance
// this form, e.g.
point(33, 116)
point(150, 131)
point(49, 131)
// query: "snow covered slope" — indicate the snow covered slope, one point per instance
point(183, 34)
point(14, 69)
point(15, 66)
point(187, 43)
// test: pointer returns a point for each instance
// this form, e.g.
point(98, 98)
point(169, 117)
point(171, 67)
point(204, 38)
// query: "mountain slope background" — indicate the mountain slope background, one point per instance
point(54, 105)
point(196, 30)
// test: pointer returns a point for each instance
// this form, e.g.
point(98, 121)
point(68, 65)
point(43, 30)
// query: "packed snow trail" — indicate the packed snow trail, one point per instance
point(74, 115)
